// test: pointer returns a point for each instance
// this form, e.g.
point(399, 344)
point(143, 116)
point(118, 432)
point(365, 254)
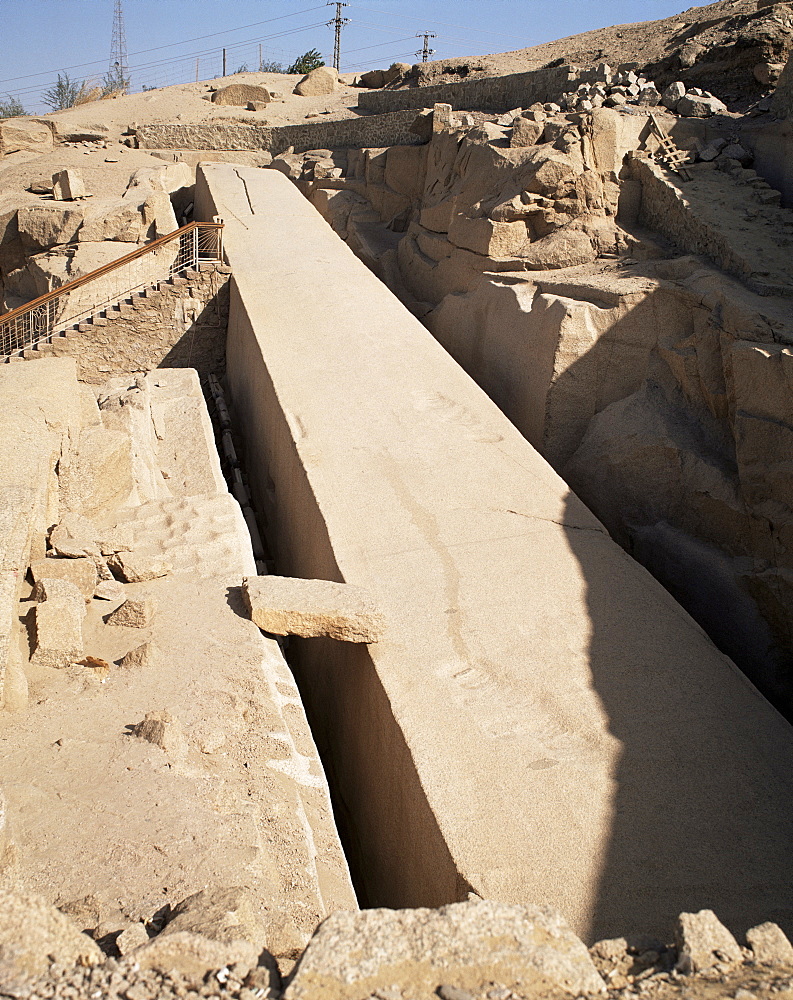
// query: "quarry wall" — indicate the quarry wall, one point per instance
point(541, 720)
point(783, 95)
point(495, 93)
point(373, 130)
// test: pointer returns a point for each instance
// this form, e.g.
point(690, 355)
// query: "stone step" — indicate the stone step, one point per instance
point(39, 351)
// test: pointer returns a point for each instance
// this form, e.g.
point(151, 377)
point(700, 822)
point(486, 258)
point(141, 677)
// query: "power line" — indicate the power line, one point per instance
point(380, 45)
point(170, 45)
point(395, 56)
point(143, 67)
point(447, 24)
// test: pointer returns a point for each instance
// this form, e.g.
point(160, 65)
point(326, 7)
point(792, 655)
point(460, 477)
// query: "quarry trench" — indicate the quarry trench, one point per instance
point(541, 720)
point(408, 841)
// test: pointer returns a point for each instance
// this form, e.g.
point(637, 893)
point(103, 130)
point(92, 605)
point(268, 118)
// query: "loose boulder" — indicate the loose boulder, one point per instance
point(702, 941)
point(58, 635)
point(693, 106)
point(133, 613)
point(163, 730)
point(80, 572)
point(525, 132)
point(33, 934)
point(133, 567)
point(673, 94)
point(74, 537)
point(239, 94)
point(109, 590)
point(320, 81)
point(210, 930)
point(374, 79)
point(67, 185)
point(145, 655)
point(770, 945)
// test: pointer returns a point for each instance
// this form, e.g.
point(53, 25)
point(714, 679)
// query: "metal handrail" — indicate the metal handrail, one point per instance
point(42, 306)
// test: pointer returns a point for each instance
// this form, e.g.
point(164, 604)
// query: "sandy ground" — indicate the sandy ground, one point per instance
point(188, 102)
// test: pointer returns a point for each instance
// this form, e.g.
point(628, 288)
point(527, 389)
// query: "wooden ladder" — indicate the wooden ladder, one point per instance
point(673, 157)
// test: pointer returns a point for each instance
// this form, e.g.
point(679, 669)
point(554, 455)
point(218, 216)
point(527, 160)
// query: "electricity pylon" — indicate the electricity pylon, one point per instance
point(118, 49)
point(426, 52)
point(338, 22)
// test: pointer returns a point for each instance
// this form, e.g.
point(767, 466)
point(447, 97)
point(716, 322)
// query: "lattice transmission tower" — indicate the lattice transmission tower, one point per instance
point(118, 69)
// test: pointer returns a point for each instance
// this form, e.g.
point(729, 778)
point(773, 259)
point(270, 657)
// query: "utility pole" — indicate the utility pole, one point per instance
point(338, 23)
point(224, 62)
point(426, 52)
point(118, 49)
point(260, 57)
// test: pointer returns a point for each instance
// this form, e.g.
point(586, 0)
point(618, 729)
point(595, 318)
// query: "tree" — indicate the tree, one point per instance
point(65, 93)
point(115, 82)
point(11, 107)
point(242, 69)
point(308, 61)
point(270, 66)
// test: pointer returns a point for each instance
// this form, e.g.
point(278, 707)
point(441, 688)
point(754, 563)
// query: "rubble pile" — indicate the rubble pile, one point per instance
point(610, 88)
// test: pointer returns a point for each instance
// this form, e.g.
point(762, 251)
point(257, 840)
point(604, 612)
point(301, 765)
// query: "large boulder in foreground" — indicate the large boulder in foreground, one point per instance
point(320, 81)
point(33, 933)
point(463, 945)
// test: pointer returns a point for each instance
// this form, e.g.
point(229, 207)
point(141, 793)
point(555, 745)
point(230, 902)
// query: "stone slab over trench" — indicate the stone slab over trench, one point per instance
point(540, 722)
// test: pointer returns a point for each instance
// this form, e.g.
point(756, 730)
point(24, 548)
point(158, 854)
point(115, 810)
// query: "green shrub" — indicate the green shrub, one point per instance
point(308, 61)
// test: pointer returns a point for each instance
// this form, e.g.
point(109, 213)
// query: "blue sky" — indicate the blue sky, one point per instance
point(166, 38)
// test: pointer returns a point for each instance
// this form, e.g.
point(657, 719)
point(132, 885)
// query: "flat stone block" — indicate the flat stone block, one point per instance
point(80, 572)
point(58, 632)
point(309, 608)
point(55, 589)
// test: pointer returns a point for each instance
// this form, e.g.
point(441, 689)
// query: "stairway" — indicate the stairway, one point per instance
point(126, 307)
